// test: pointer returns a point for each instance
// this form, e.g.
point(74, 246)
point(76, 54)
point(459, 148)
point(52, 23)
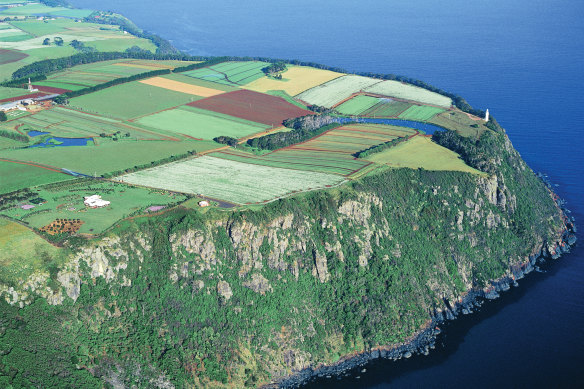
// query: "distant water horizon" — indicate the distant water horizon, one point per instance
point(521, 60)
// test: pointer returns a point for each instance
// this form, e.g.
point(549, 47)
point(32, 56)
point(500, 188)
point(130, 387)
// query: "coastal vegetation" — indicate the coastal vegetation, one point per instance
point(250, 231)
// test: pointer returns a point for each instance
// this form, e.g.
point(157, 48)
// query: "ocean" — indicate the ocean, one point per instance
point(520, 59)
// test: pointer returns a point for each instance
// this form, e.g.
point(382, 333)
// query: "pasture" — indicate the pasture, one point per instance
point(6, 93)
point(108, 156)
point(232, 181)
point(230, 73)
point(130, 100)
point(460, 122)
point(24, 252)
point(253, 106)
point(357, 105)
point(419, 113)
point(63, 122)
point(408, 92)
point(15, 176)
point(421, 152)
point(295, 80)
point(200, 124)
point(65, 201)
point(337, 90)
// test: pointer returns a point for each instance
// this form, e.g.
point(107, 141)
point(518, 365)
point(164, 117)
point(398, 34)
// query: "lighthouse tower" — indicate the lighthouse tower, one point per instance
point(30, 87)
point(487, 115)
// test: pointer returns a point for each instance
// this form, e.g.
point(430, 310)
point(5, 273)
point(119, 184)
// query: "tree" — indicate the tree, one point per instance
point(3, 116)
point(47, 42)
point(58, 41)
point(76, 44)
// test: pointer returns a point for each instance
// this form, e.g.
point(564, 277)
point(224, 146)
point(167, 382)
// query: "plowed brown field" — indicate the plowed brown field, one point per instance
point(254, 106)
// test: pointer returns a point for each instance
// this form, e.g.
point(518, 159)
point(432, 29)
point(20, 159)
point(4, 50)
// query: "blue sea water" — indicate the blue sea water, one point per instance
point(521, 59)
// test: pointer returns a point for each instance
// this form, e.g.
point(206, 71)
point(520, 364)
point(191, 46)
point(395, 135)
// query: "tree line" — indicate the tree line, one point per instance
point(12, 134)
point(379, 148)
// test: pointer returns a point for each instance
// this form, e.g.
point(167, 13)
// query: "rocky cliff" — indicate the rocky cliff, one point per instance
point(253, 297)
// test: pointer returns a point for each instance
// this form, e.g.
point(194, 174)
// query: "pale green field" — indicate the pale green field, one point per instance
point(232, 181)
point(11, 92)
point(337, 90)
point(409, 92)
point(357, 105)
point(420, 113)
point(108, 156)
point(15, 176)
point(131, 100)
point(421, 152)
point(201, 124)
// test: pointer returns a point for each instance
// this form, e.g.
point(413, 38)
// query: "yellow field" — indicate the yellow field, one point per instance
point(295, 80)
point(182, 87)
point(421, 152)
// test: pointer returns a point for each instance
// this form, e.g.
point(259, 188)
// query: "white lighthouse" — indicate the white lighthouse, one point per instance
point(487, 115)
point(30, 87)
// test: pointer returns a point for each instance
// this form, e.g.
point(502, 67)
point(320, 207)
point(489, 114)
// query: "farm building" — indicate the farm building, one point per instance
point(204, 203)
point(95, 201)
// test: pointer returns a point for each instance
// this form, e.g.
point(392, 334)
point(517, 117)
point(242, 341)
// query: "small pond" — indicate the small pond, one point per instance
point(60, 142)
point(420, 126)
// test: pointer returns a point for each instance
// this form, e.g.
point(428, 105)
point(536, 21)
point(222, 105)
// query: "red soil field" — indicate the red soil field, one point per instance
point(23, 97)
point(254, 106)
point(50, 89)
point(8, 56)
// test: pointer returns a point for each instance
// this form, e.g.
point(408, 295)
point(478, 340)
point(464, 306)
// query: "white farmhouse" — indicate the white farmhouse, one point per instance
point(95, 201)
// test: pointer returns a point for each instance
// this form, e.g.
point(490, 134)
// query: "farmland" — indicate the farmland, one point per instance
point(108, 156)
point(409, 92)
point(180, 77)
point(420, 113)
point(331, 152)
point(337, 90)
point(357, 105)
point(200, 124)
point(253, 106)
point(230, 180)
point(421, 152)
point(462, 123)
point(83, 76)
point(64, 122)
point(294, 81)
point(16, 176)
point(387, 108)
point(230, 73)
point(65, 201)
point(145, 99)
point(182, 87)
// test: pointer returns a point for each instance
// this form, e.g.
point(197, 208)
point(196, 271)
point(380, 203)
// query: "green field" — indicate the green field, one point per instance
point(39, 28)
point(357, 105)
point(421, 152)
point(15, 176)
point(180, 77)
point(11, 92)
point(230, 180)
point(230, 73)
point(460, 122)
point(130, 100)
point(66, 202)
point(401, 90)
point(387, 108)
point(69, 123)
point(24, 252)
point(201, 124)
point(108, 156)
point(337, 90)
point(420, 112)
point(323, 162)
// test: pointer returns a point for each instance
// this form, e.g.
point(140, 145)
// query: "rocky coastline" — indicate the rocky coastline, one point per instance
point(424, 340)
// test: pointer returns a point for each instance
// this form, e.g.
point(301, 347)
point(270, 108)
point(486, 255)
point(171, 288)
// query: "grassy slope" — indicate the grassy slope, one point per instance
point(15, 176)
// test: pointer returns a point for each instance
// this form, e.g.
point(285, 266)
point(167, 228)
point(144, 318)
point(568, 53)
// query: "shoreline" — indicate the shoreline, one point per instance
point(424, 340)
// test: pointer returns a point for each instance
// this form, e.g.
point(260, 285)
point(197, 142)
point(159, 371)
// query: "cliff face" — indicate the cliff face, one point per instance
point(245, 298)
